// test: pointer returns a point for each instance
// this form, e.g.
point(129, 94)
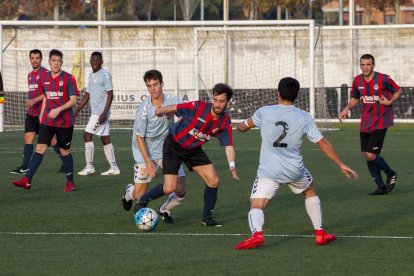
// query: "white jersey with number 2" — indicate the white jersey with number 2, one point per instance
point(282, 128)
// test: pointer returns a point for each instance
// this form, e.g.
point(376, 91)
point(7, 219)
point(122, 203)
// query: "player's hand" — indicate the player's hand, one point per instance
point(75, 115)
point(54, 113)
point(350, 173)
point(158, 111)
point(384, 101)
point(30, 103)
point(102, 118)
point(234, 174)
point(342, 116)
point(150, 168)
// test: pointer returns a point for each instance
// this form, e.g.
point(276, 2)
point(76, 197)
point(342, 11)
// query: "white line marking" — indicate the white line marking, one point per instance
point(190, 234)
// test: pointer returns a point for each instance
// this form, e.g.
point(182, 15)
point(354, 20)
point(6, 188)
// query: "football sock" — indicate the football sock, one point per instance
point(314, 210)
point(375, 172)
point(256, 220)
point(210, 198)
point(110, 156)
point(89, 152)
point(33, 165)
point(154, 193)
point(68, 166)
point(27, 154)
point(383, 165)
point(172, 202)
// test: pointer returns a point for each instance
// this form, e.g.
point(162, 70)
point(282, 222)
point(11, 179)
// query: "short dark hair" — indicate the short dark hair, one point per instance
point(36, 51)
point(222, 88)
point(152, 75)
point(96, 53)
point(368, 56)
point(288, 89)
point(55, 52)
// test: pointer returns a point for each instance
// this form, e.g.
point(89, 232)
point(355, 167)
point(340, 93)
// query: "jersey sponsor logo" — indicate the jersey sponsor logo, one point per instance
point(199, 135)
point(53, 95)
point(33, 86)
point(370, 99)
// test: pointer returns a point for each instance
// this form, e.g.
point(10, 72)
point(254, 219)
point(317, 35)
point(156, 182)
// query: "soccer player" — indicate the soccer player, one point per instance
point(282, 128)
point(148, 138)
point(100, 94)
point(56, 118)
point(34, 105)
point(199, 122)
point(378, 92)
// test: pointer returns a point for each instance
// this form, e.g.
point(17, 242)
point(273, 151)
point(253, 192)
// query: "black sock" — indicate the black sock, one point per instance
point(33, 165)
point(68, 166)
point(154, 193)
point(210, 198)
point(375, 172)
point(382, 164)
point(27, 154)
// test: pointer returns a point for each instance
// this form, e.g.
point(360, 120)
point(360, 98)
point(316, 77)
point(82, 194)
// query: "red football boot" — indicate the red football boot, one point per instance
point(254, 241)
point(23, 183)
point(70, 187)
point(322, 237)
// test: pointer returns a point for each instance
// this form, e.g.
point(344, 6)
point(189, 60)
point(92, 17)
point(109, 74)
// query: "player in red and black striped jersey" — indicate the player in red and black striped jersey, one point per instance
point(199, 122)
point(34, 106)
point(377, 92)
point(56, 118)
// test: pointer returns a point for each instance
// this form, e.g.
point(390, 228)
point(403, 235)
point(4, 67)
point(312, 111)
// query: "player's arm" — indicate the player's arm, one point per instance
point(326, 147)
point(83, 102)
point(55, 112)
point(142, 146)
point(245, 125)
point(168, 109)
point(102, 117)
point(384, 101)
point(231, 157)
point(352, 102)
point(43, 108)
point(32, 102)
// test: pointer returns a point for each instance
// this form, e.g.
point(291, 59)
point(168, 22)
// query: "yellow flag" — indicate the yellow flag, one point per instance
point(77, 66)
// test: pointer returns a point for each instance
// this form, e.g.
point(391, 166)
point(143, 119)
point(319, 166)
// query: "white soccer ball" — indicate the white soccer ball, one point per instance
point(146, 219)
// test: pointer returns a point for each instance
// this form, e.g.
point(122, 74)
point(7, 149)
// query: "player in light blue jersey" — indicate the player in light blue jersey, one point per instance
point(100, 94)
point(282, 128)
point(148, 138)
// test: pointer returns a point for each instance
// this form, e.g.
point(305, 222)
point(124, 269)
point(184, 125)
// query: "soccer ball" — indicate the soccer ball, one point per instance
point(146, 219)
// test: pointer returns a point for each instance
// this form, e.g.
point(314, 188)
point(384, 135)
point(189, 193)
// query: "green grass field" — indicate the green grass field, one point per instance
point(47, 232)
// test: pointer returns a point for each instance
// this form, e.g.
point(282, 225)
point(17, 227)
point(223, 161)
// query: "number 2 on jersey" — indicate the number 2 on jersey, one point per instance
point(278, 143)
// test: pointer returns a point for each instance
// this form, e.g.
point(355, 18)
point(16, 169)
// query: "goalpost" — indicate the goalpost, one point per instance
point(252, 59)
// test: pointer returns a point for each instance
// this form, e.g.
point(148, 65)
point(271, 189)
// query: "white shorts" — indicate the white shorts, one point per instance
point(266, 188)
point(94, 127)
point(141, 174)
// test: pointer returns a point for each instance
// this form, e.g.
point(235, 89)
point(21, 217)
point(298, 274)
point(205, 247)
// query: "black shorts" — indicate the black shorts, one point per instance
point(63, 135)
point(372, 141)
point(173, 155)
point(31, 124)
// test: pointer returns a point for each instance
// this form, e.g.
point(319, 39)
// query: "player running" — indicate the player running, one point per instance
point(378, 92)
point(34, 106)
point(148, 138)
point(282, 128)
point(199, 122)
point(100, 93)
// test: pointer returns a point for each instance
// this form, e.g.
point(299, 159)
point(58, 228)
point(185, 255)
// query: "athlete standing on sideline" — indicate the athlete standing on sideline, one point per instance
point(148, 138)
point(199, 122)
point(56, 118)
point(100, 94)
point(34, 106)
point(282, 128)
point(378, 92)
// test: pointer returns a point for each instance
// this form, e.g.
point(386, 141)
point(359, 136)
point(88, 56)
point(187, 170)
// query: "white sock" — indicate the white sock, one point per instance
point(89, 152)
point(128, 194)
point(256, 220)
point(110, 156)
point(313, 207)
point(172, 202)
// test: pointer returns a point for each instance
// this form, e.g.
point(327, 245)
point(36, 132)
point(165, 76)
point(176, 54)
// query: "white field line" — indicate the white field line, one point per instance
point(187, 234)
